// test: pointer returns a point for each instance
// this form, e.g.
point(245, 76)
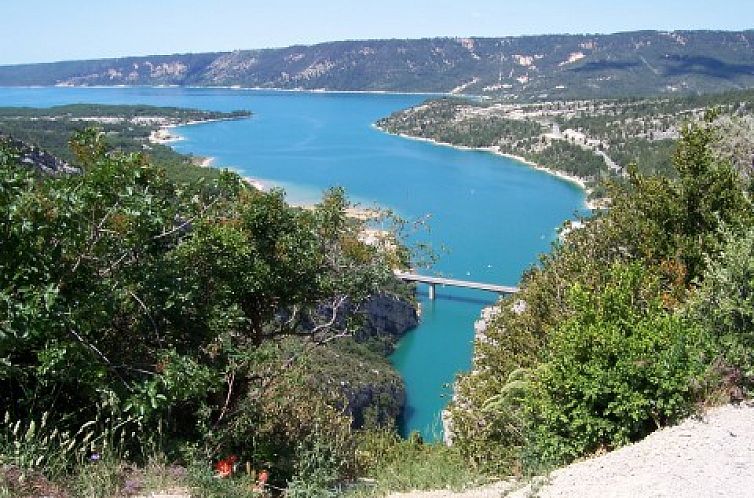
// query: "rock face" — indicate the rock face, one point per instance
point(358, 370)
point(378, 402)
point(480, 336)
point(387, 318)
point(33, 157)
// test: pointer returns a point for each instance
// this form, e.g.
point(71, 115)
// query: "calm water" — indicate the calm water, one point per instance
point(493, 215)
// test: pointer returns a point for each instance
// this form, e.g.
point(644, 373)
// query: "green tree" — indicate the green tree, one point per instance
point(171, 302)
point(618, 368)
point(724, 307)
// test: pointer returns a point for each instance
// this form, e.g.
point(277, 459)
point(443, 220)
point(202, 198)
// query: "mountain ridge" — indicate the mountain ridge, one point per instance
point(631, 63)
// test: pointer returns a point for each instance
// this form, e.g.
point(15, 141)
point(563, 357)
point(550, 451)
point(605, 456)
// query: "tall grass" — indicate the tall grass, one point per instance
point(393, 464)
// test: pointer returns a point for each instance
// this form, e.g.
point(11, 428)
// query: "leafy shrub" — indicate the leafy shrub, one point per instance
point(724, 305)
point(289, 425)
point(669, 228)
point(619, 367)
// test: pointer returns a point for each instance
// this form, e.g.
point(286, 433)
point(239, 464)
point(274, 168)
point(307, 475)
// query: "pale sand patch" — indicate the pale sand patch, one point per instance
point(256, 184)
point(203, 162)
point(712, 455)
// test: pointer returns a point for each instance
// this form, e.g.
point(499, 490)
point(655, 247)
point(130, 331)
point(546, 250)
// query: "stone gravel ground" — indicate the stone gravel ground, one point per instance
point(709, 456)
point(502, 488)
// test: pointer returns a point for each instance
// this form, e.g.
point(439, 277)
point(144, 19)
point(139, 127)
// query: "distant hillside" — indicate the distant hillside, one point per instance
point(555, 66)
point(594, 140)
point(41, 136)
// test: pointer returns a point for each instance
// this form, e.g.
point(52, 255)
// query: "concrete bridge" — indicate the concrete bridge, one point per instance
point(450, 282)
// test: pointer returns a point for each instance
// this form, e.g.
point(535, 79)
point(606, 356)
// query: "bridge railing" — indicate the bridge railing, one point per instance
point(432, 282)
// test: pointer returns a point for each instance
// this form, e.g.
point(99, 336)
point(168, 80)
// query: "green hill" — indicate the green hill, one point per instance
point(546, 66)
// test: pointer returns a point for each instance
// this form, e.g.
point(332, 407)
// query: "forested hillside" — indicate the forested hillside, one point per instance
point(634, 321)
point(43, 134)
point(595, 140)
point(547, 66)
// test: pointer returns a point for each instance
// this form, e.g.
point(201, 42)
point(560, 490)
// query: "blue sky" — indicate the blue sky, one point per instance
point(48, 30)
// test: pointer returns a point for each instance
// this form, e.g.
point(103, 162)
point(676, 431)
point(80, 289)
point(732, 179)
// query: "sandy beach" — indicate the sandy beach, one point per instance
point(168, 134)
point(256, 184)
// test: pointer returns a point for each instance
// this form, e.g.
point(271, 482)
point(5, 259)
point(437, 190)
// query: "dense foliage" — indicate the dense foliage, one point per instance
point(571, 159)
point(620, 367)
point(139, 314)
point(599, 349)
point(444, 121)
point(723, 307)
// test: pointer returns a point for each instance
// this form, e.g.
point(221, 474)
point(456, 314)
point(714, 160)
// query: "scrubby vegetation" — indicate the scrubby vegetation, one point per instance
point(631, 323)
point(149, 329)
point(127, 127)
point(595, 140)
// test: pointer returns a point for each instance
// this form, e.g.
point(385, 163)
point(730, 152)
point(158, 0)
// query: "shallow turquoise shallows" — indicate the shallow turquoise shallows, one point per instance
point(491, 214)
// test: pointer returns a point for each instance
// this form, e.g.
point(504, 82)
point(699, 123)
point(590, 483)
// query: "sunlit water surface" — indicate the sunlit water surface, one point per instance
point(492, 215)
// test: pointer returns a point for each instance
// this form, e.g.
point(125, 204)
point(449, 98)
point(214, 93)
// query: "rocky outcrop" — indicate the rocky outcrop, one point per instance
point(35, 158)
point(376, 404)
point(379, 401)
point(386, 319)
point(358, 370)
point(480, 327)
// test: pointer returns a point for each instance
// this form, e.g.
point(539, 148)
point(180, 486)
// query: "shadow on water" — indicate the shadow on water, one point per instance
point(459, 299)
point(431, 433)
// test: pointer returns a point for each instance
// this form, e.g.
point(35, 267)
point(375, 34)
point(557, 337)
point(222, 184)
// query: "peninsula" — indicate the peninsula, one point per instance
point(584, 141)
point(128, 128)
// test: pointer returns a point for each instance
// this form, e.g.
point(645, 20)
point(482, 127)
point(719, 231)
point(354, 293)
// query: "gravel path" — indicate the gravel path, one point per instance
point(708, 457)
point(491, 491)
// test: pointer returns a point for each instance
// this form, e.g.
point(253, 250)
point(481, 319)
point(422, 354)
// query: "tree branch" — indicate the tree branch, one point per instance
point(101, 355)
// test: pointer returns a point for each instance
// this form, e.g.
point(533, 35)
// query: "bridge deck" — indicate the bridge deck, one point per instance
point(413, 277)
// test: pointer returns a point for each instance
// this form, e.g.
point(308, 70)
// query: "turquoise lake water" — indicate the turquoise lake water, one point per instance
point(492, 214)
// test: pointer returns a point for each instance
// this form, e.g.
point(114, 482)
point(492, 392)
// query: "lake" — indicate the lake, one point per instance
point(489, 216)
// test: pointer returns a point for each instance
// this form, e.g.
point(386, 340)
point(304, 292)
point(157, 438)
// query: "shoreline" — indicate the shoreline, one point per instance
point(249, 88)
point(163, 135)
point(562, 175)
point(167, 135)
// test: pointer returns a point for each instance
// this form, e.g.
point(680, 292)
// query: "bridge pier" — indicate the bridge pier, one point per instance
point(431, 292)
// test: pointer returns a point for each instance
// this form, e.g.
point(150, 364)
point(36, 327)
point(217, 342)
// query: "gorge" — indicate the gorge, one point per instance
point(489, 216)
